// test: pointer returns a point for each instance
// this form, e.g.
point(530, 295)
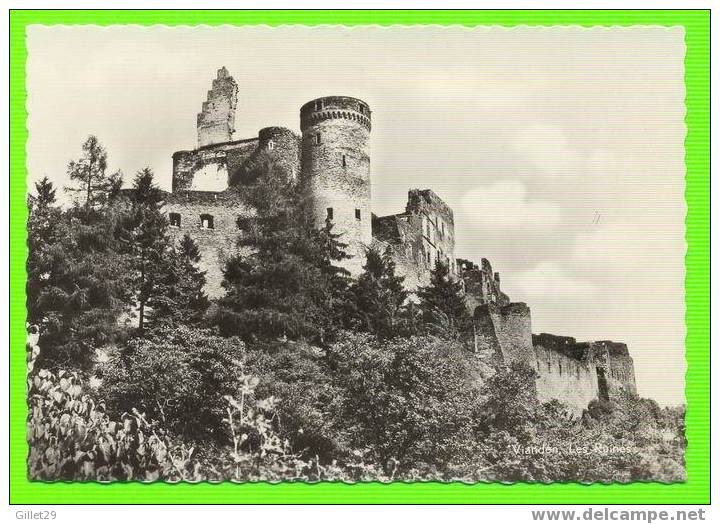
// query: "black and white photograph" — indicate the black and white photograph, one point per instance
point(401, 253)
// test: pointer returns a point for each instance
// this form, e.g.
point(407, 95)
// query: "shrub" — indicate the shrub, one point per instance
point(308, 411)
point(407, 402)
point(179, 377)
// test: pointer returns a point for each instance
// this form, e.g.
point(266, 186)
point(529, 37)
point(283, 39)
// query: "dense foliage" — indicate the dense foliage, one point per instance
point(298, 372)
point(77, 289)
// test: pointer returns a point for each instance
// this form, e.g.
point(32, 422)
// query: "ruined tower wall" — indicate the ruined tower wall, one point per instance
point(408, 264)
point(336, 170)
point(216, 121)
point(419, 237)
point(482, 285)
point(614, 359)
point(217, 243)
point(509, 327)
point(571, 381)
point(436, 223)
point(282, 146)
point(212, 167)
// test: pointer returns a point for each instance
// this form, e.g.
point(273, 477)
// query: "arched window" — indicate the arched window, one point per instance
point(174, 219)
point(207, 221)
point(271, 145)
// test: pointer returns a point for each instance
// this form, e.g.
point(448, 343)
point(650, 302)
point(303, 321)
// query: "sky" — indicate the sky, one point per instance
point(560, 149)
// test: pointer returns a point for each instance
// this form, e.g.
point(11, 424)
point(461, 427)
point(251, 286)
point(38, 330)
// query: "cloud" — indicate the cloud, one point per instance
point(505, 205)
point(547, 147)
point(548, 280)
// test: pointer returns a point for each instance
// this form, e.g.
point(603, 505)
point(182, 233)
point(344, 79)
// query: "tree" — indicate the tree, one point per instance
point(143, 238)
point(290, 284)
point(90, 171)
point(408, 402)
point(43, 222)
point(179, 298)
point(377, 296)
point(77, 285)
point(442, 301)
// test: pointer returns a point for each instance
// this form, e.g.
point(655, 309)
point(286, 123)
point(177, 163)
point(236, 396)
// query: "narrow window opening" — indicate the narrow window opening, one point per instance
point(207, 221)
point(175, 219)
point(560, 368)
point(357, 214)
point(271, 145)
point(344, 161)
point(318, 139)
point(329, 213)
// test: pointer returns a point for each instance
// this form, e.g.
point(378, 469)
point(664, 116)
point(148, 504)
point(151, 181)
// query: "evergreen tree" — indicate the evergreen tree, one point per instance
point(179, 298)
point(377, 296)
point(290, 285)
point(442, 301)
point(143, 238)
point(42, 225)
point(77, 285)
point(90, 171)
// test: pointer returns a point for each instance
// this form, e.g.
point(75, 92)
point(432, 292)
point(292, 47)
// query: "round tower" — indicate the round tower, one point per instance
point(336, 169)
point(283, 146)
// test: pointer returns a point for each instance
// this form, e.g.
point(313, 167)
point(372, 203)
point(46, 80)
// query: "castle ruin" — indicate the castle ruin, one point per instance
point(330, 160)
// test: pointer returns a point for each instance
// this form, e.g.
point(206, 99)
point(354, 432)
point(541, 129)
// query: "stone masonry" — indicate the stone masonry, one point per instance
point(330, 161)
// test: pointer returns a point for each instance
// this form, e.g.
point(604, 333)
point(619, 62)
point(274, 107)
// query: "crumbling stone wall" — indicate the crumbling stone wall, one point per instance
point(420, 236)
point(403, 233)
point(437, 227)
point(216, 121)
point(212, 167)
point(569, 380)
point(481, 284)
point(505, 330)
point(572, 372)
point(604, 370)
point(614, 359)
point(407, 264)
point(216, 244)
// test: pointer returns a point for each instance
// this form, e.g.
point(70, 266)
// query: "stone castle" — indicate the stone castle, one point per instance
point(330, 161)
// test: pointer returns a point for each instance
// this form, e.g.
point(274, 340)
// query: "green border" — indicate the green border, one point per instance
point(697, 74)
